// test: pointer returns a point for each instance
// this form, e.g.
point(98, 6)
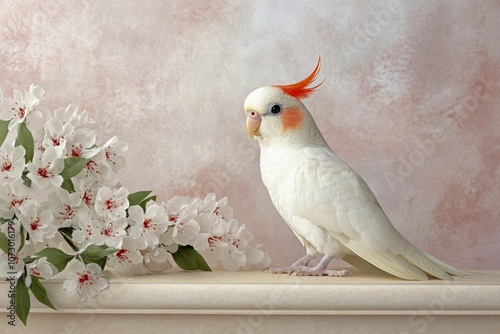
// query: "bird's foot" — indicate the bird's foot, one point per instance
point(322, 272)
point(288, 270)
point(300, 264)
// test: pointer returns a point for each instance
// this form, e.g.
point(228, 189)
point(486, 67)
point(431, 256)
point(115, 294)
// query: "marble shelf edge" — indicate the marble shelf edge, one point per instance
point(228, 293)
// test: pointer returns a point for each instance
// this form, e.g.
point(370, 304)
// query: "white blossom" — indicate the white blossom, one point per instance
point(45, 168)
point(87, 191)
point(21, 107)
point(39, 268)
point(146, 227)
point(65, 206)
point(212, 231)
point(156, 260)
point(183, 215)
point(80, 144)
point(7, 266)
point(111, 232)
point(71, 115)
point(211, 205)
point(66, 115)
point(95, 207)
point(174, 206)
point(55, 133)
point(128, 259)
point(233, 259)
point(113, 153)
point(256, 258)
point(11, 162)
point(86, 229)
point(96, 168)
point(167, 241)
point(185, 231)
point(84, 280)
point(111, 203)
point(12, 196)
point(11, 268)
point(38, 222)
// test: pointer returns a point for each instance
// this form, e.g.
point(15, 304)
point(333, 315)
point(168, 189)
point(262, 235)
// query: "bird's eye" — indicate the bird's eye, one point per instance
point(275, 109)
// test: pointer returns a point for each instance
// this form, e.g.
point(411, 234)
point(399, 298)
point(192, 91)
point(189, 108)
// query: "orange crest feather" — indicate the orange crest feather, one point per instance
point(301, 89)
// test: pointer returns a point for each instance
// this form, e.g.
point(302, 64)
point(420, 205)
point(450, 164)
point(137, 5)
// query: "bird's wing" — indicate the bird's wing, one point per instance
point(334, 197)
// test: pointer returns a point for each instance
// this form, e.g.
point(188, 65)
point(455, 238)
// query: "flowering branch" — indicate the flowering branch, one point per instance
point(62, 209)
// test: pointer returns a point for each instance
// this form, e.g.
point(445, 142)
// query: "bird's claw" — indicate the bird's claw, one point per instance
point(307, 271)
point(346, 273)
point(287, 270)
point(323, 272)
point(300, 268)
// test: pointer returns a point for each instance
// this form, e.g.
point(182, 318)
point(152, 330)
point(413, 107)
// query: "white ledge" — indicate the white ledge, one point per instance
point(257, 302)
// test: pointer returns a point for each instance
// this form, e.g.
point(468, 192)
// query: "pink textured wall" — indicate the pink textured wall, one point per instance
point(410, 100)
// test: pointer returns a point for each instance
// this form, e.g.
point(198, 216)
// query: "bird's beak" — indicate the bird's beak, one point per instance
point(253, 123)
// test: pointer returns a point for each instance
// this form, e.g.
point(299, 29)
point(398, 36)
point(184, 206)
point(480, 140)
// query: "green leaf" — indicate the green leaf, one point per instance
point(23, 240)
point(188, 258)
point(145, 201)
point(22, 300)
point(25, 139)
point(68, 185)
point(94, 251)
point(55, 256)
point(40, 293)
point(67, 231)
point(4, 243)
point(4, 130)
point(26, 180)
point(67, 234)
point(73, 166)
point(137, 197)
point(97, 254)
point(200, 261)
point(27, 260)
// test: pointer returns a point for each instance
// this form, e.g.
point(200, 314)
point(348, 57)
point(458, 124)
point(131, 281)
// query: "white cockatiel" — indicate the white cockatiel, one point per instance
point(325, 202)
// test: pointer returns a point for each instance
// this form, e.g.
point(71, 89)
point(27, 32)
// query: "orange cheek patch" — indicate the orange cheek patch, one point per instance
point(291, 118)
